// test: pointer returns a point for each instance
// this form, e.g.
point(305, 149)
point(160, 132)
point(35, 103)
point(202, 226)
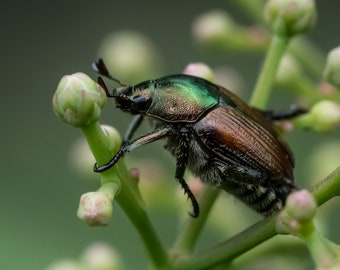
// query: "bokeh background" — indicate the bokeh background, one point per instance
point(43, 40)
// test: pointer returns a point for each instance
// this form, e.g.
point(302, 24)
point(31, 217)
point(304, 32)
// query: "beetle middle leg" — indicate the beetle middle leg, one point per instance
point(284, 185)
point(180, 169)
point(137, 120)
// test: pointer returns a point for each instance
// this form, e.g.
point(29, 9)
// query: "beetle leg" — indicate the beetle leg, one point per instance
point(133, 144)
point(181, 164)
point(288, 114)
point(290, 183)
point(137, 120)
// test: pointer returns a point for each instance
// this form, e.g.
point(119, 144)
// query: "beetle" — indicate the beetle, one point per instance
point(212, 132)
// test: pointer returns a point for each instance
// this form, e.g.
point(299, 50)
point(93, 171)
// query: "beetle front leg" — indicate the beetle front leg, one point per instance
point(131, 145)
point(137, 120)
point(181, 164)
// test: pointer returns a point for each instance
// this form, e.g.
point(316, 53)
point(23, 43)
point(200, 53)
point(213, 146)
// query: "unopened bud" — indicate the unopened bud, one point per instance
point(113, 136)
point(290, 17)
point(297, 216)
point(65, 264)
point(213, 28)
point(332, 68)
point(78, 100)
point(200, 70)
point(288, 71)
point(96, 207)
point(100, 256)
point(301, 206)
point(130, 56)
point(322, 117)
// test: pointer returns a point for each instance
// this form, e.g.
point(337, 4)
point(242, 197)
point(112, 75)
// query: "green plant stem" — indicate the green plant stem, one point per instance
point(256, 234)
point(226, 251)
point(129, 197)
point(312, 59)
point(327, 188)
point(305, 88)
point(309, 56)
point(252, 8)
point(188, 236)
point(97, 142)
point(139, 218)
point(323, 251)
point(276, 49)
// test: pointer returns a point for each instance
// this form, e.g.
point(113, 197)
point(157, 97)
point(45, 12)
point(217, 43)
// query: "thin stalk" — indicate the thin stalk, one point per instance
point(252, 8)
point(327, 188)
point(230, 249)
point(189, 234)
point(129, 197)
point(323, 251)
point(261, 93)
point(309, 56)
point(256, 234)
point(139, 218)
point(303, 87)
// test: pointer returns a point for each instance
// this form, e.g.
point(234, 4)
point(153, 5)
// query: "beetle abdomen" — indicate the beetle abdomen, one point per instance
point(244, 157)
point(264, 200)
point(241, 182)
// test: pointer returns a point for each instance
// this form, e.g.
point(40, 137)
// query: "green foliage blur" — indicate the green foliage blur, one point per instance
point(41, 41)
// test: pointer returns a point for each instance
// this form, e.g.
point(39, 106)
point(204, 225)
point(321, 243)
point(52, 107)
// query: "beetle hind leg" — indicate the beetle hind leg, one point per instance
point(280, 190)
point(283, 115)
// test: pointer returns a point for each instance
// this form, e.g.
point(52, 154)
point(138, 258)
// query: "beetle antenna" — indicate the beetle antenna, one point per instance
point(100, 67)
point(101, 82)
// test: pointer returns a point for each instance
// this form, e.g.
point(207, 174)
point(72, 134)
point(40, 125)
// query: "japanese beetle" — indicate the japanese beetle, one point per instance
point(221, 139)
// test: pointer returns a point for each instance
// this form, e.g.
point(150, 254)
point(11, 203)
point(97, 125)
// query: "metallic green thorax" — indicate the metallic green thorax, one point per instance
point(182, 98)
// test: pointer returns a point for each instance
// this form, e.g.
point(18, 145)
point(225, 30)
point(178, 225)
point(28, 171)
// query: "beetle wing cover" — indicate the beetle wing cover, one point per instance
point(241, 136)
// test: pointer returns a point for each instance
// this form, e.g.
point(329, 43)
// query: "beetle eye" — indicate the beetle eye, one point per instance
point(139, 99)
point(140, 104)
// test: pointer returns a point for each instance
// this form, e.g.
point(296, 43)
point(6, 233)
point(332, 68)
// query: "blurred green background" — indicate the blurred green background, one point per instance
point(43, 40)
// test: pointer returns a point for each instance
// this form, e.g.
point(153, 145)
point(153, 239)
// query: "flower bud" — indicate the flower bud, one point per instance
point(213, 28)
point(322, 117)
point(200, 70)
point(297, 217)
point(229, 78)
point(288, 71)
point(96, 207)
point(332, 68)
point(290, 17)
point(81, 159)
point(113, 136)
point(100, 256)
point(217, 30)
point(78, 100)
point(327, 90)
point(131, 56)
point(65, 264)
point(301, 206)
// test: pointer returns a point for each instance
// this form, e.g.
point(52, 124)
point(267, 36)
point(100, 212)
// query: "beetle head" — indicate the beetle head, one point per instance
point(134, 99)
